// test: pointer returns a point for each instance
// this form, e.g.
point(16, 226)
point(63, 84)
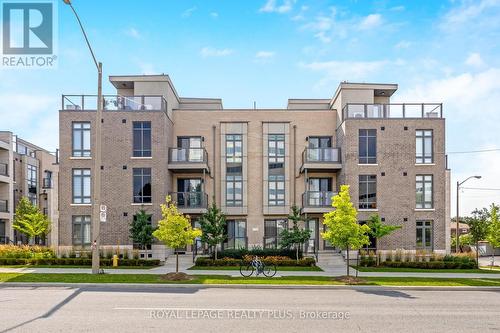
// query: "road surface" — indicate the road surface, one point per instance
point(174, 309)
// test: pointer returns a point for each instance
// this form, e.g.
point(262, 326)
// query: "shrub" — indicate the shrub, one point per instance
point(76, 262)
point(437, 264)
point(276, 260)
point(26, 251)
point(241, 253)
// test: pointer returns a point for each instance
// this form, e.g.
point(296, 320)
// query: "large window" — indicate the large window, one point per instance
point(272, 232)
point(142, 138)
point(367, 146)
point(424, 153)
point(367, 192)
point(142, 185)
point(424, 191)
point(81, 230)
point(276, 169)
point(236, 232)
point(424, 235)
point(81, 186)
point(32, 180)
point(190, 192)
point(81, 139)
point(234, 170)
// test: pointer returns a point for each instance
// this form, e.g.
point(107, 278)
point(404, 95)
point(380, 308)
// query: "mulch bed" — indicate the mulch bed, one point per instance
point(350, 280)
point(177, 277)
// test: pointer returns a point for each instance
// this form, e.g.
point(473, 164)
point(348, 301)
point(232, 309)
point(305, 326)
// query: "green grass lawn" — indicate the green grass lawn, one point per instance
point(423, 270)
point(74, 266)
point(221, 279)
point(237, 268)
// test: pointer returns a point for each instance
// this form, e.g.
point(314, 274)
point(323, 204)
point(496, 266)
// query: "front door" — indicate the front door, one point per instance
point(311, 244)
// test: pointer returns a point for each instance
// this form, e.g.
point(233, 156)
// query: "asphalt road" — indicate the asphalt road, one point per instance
point(150, 309)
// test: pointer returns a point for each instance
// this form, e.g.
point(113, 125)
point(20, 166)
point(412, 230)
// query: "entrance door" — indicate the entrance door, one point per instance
point(3, 239)
point(310, 246)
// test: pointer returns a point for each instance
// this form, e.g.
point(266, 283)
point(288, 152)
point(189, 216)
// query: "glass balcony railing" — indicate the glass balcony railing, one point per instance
point(321, 155)
point(397, 110)
point(4, 206)
point(187, 200)
point(4, 169)
point(317, 198)
point(187, 155)
point(114, 103)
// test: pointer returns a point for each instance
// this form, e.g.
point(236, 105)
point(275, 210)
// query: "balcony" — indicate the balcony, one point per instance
point(321, 159)
point(4, 206)
point(192, 160)
point(46, 183)
point(114, 103)
point(317, 201)
point(190, 202)
point(402, 110)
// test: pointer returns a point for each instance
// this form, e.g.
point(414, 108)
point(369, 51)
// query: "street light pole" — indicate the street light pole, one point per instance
point(96, 186)
point(458, 211)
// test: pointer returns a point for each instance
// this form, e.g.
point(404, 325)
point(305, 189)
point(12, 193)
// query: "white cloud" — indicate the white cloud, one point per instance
point(474, 60)
point(371, 21)
point(213, 52)
point(336, 71)
point(188, 12)
point(404, 44)
point(276, 6)
point(134, 33)
point(397, 8)
point(214, 14)
point(468, 11)
point(147, 68)
point(265, 54)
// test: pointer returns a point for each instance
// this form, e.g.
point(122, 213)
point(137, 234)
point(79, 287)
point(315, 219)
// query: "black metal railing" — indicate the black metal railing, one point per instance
point(317, 198)
point(236, 243)
point(187, 155)
point(4, 169)
point(4, 206)
point(5, 240)
point(186, 200)
point(321, 155)
point(396, 110)
point(47, 183)
point(114, 103)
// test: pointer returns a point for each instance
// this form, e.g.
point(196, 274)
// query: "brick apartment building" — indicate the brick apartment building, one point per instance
point(256, 163)
point(27, 170)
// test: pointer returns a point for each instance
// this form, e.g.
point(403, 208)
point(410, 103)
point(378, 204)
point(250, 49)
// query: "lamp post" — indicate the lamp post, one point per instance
point(458, 211)
point(96, 186)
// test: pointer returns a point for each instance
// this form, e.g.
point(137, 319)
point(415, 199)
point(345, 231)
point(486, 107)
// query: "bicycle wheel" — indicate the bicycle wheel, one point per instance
point(246, 270)
point(269, 270)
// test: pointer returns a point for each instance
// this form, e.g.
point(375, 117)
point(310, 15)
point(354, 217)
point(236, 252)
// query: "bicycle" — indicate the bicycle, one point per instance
point(246, 270)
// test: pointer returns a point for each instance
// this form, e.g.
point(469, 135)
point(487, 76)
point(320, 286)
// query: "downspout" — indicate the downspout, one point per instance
point(295, 165)
point(213, 162)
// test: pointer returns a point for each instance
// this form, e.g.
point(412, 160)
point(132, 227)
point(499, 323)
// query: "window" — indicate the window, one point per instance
point(81, 186)
point(236, 232)
point(319, 148)
point(276, 170)
point(81, 139)
point(367, 192)
point(319, 192)
point(272, 232)
point(31, 179)
point(234, 170)
point(142, 138)
point(367, 146)
point(424, 192)
point(424, 235)
point(81, 230)
point(189, 192)
point(424, 152)
point(190, 149)
point(142, 185)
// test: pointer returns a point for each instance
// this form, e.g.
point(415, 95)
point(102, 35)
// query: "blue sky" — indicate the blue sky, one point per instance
point(268, 51)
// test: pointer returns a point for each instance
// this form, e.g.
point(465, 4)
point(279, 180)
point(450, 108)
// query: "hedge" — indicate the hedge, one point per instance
point(77, 262)
point(241, 253)
point(26, 251)
point(204, 261)
point(430, 264)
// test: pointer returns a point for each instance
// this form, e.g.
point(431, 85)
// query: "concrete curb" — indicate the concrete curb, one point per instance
point(111, 286)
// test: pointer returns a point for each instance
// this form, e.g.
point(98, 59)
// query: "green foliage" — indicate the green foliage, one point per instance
point(213, 227)
point(463, 240)
point(141, 230)
point(478, 225)
point(379, 229)
point(26, 252)
point(225, 261)
point(493, 236)
point(77, 262)
point(29, 220)
point(295, 236)
point(259, 252)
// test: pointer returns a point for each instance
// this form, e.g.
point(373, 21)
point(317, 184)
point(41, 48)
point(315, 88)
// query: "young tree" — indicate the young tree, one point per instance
point(379, 229)
point(213, 227)
point(343, 230)
point(175, 229)
point(493, 236)
point(463, 241)
point(141, 230)
point(29, 220)
point(478, 228)
point(295, 236)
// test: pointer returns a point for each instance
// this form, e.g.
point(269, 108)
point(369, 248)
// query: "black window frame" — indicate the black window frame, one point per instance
point(84, 174)
point(273, 224)
point(421, 226)
point(143, 130)
point(234, 170)
point(364, 201)
point(85, 126)
point(138, 195)
point(276, 170)
point(85, 220)
point(422, 134)
point(424, 179)
point(365, 138)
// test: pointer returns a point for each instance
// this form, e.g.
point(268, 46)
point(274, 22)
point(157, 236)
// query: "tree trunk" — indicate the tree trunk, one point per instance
point(297, 253)
point(177, 262)
point(477, 254)
point(348, 261)
point(215, 246)
point(357, 264)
